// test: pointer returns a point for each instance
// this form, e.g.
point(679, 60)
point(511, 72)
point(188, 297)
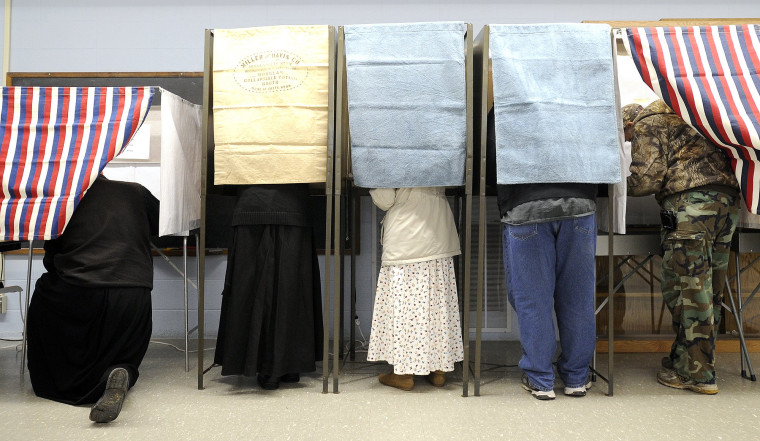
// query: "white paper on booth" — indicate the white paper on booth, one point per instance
point(180, 165)
point(147, 175)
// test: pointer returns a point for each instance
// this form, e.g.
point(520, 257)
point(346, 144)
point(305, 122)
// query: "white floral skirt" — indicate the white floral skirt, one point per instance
point(415, 323)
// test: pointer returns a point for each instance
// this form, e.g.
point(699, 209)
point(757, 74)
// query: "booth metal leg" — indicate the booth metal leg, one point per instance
point(466, 307)
point(483, 224)
point(351, 227)
point(737, 313)
point(337, 276)
point(198, 270)
point(186, 281)
point(612, 289)
point(744, 354)
point(740, 309)
point(736, 310)
point(342, 287)
point(184, 267)
point(26, 306)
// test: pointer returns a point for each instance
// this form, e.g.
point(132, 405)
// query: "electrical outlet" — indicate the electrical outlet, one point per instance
point(3, 303)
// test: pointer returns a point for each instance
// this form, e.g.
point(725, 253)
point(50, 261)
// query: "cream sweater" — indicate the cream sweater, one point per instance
point(418, 225)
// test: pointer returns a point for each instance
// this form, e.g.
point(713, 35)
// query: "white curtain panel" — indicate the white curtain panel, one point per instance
point(180, 165)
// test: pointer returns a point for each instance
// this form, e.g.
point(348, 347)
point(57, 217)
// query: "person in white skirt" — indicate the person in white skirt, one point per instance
point(415, 323)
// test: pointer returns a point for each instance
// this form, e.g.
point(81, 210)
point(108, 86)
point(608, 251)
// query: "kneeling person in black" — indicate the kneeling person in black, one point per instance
point(90, 318)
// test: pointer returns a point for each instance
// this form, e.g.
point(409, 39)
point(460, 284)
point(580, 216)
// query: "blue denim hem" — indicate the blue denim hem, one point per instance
point(533, 385)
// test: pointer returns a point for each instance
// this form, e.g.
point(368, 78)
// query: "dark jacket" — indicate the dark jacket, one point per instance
point(280, 204)
point(510, 196)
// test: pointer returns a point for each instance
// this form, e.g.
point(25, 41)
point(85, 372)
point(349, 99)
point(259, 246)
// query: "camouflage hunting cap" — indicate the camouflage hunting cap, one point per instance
point(631, 111)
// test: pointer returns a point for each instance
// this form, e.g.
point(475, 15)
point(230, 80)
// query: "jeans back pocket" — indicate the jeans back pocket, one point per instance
point(523, 232)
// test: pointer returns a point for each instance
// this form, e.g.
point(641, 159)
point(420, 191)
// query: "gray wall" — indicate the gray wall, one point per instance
point(168, 35)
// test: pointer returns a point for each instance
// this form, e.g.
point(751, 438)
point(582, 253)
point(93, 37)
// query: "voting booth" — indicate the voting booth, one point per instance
point(553, 91)
point(707, 72)
point(404, 119)
point(268, 118)
point(55, 142)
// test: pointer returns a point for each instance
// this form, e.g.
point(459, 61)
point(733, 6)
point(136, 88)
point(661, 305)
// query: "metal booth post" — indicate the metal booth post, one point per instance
point(481, 62)
point(467, 252)
point(185, 281)
point(611, 288)
point(743, 242)
point(207, 143)
point(26, 304)
point(341, 144)
point(354, 202)
point(329, 195)
point(4, 289)
point(184, 286)
point(343, 177)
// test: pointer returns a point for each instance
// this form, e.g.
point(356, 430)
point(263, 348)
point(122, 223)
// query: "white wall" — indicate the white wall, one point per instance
point(168, 35)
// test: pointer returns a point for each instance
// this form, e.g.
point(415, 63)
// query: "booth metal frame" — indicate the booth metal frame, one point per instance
point(743, 241)
point(15, 288)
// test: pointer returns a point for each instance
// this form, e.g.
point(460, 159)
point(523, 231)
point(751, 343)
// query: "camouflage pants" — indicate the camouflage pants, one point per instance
point(694, 264)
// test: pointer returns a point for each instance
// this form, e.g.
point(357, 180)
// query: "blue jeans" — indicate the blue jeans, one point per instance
point(549, 268)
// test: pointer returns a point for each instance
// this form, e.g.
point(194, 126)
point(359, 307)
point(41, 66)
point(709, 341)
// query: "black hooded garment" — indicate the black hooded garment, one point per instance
point(91, 311)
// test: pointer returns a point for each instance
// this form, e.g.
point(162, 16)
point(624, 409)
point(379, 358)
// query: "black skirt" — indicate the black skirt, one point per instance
point(271, 318)
point(77, 335)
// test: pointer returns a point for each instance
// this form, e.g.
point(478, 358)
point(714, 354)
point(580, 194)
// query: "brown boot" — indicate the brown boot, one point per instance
point(437, 378)
point(403, 382)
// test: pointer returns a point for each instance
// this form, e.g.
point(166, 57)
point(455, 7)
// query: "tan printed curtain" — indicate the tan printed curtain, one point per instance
point(270, 104)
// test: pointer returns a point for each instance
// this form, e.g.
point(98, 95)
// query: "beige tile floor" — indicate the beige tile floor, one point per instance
point(166, 405)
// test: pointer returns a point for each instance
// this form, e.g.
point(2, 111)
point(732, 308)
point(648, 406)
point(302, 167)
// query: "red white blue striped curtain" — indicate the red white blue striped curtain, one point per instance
point(710, 76)
point(54, 143)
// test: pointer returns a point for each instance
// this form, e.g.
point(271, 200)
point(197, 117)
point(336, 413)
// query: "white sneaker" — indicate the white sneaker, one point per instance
point(577, 391)
point(539, 394)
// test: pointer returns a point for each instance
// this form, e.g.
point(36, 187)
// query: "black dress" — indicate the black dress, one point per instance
point(271, 318)
point(91, 311)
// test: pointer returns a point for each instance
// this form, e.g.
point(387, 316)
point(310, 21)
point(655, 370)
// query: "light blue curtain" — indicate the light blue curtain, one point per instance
point(407, 104)
point(555, 103)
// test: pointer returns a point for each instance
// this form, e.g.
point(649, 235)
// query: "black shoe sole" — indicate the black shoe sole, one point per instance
point(109, 405)
point(266, 383)
point(290, 378)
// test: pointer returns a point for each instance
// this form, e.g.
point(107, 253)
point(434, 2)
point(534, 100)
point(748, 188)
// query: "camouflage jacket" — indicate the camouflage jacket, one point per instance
point(669, 156)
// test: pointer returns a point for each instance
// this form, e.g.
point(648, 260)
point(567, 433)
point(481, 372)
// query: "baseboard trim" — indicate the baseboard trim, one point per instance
point(624, 346)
